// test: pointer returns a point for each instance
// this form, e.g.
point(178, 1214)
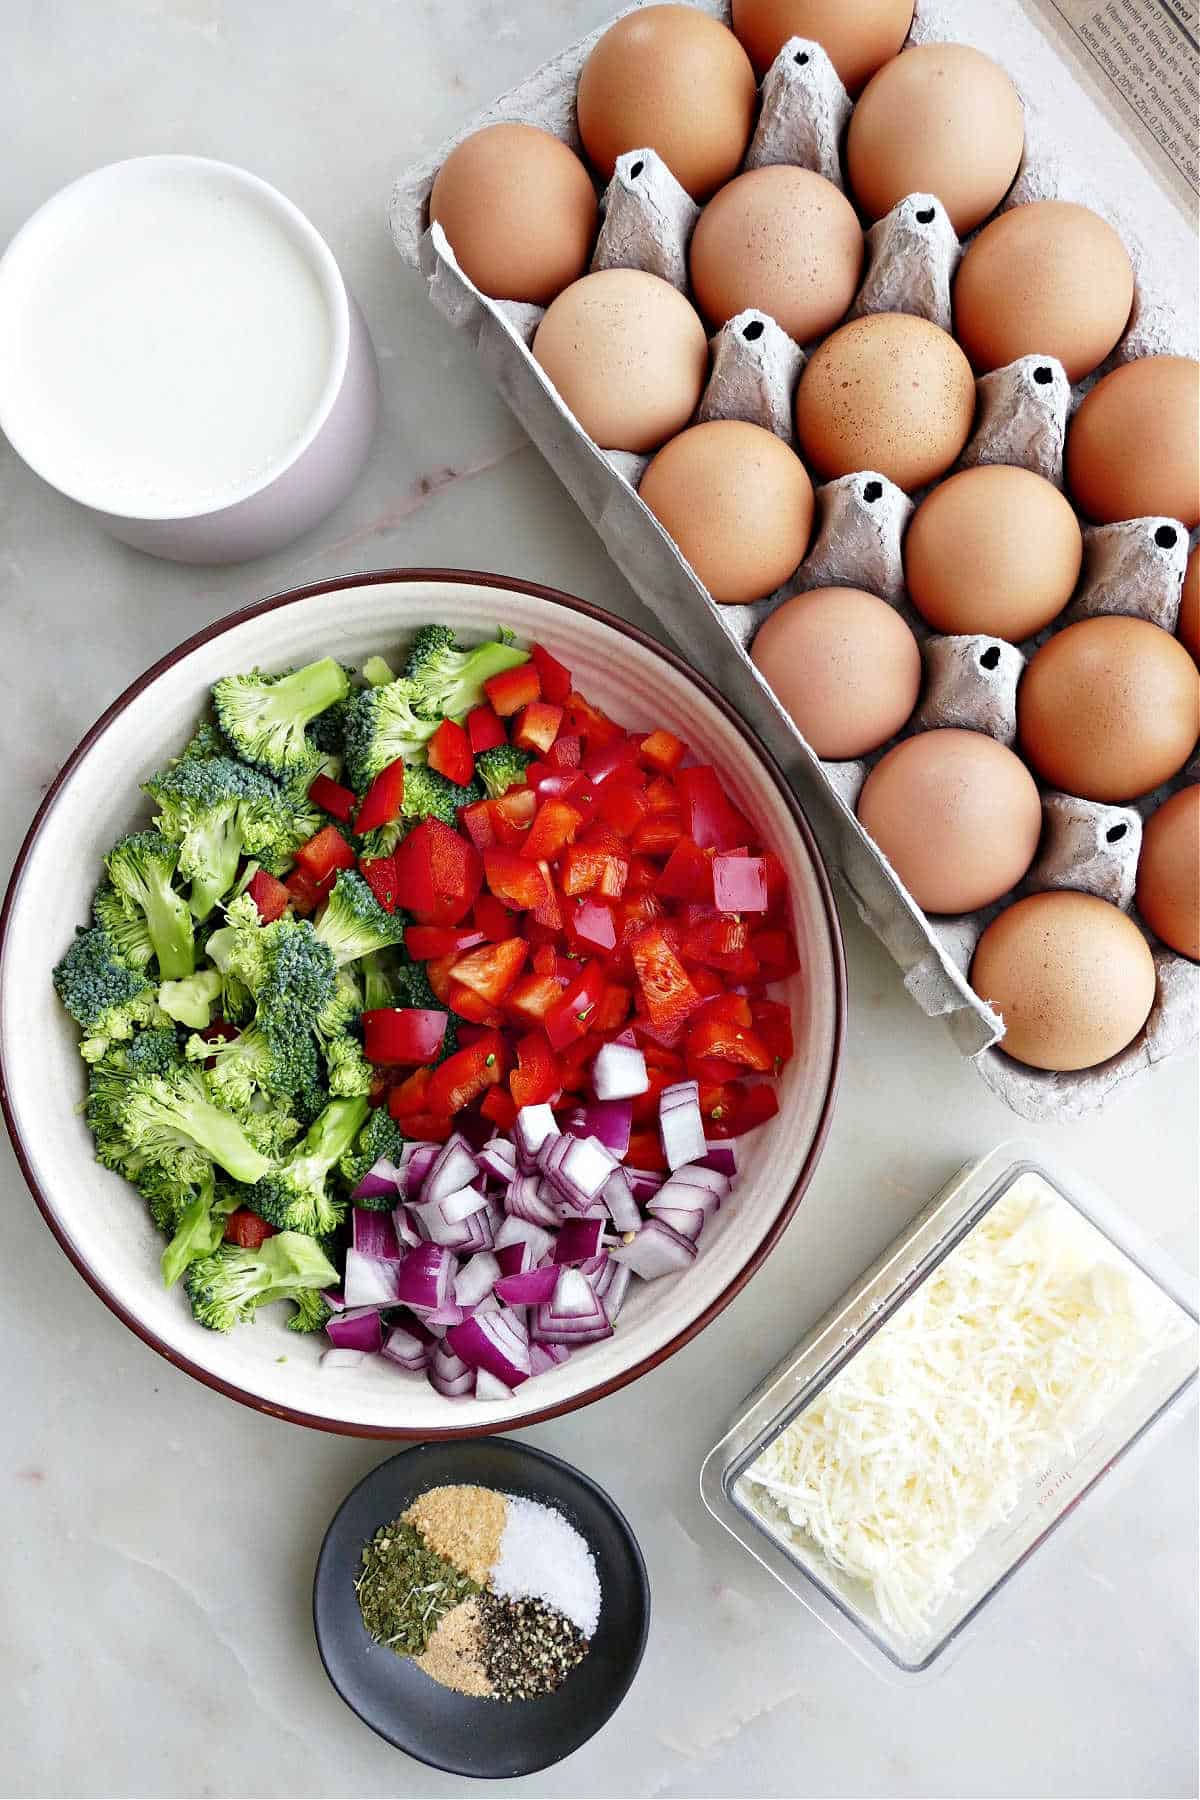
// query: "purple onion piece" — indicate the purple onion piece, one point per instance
point(374, 1234)
point(361, 1329)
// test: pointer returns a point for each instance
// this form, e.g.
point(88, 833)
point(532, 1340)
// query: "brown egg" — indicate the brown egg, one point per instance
point(844, 665)
point(890, 393)
point(957, 816)
point(939, 119)
point(857, 39)
point(1072, 977)
point(737, 502)
point(671, 79)
point(1188, 627)
point(1109, 708)
point(1168, 877)
point(1048, 279)
point(519, 210)
point(994, 550)
point(628, 354)
point(783, 240)
point(1133, 448)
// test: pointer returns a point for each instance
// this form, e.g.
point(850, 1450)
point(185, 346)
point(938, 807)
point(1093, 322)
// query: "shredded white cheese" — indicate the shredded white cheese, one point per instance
point(1023, 1338)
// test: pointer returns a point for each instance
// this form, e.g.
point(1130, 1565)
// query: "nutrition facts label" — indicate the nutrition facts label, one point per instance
point(1145, 54)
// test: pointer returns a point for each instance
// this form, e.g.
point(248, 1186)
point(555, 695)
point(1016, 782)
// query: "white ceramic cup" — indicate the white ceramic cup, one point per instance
point(83, 403)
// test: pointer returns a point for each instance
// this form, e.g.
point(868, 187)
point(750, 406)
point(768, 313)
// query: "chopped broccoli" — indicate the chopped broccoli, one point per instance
point(447, 677)
point(294, 1197)
point(312, 1313)
point(190, 1002)
point(226, 1287)
point(253, 1062)
point(154, 1052)
point(271, 1125)
point(218, 810)
point(172, 1121)
point(502, 768)
point(264, 717)
point(379, 1137)
point(414, 990)
point(352, 923)
point(342, 1010)
point(377, 671)
point(382, 725)
point(200, 1229)
point(349, 1071)
point(205, 741)
point(428, 795)
point(129, 933)
point(141, 868)
point(379, 980)
point(109, 1000)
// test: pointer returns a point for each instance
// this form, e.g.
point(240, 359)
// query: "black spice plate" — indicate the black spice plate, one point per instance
point(450, 1731)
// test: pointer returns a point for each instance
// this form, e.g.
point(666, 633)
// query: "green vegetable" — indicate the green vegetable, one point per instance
point(141, 869)
point(377, 672)
point(200, 1231)
point(254, 1063)
point(382, 725)
point(227, 1287)
point(312, 1313)
point(502, 768)
point(295, 1197)
point(380, 1136)
point(352, 923)
point(128, 932)
point(172, 1122)
point(109, 1000)
point(348, 1069)
point(217, 811)
point(264, 717)
point(190, 1002)
point(447, 677)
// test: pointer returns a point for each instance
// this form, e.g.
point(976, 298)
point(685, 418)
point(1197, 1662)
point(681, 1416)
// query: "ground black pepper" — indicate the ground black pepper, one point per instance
point(528, 1647)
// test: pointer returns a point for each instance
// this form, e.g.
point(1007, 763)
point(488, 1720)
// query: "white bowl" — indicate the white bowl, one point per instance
point(102, 1223)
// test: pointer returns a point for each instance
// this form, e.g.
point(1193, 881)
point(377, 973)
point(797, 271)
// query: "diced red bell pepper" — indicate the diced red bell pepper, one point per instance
point(728, 1009)
point(754, 1106)
point(382, 800)
point(636, 911)
point(449, 753)
point(552, 830)
point(485, 729)
point(613, 1009)
point(706, 981)
point(553, 675)
point(512, 815)
point(245, 1229)
point(734, 1043)
point(500, 1107)
point(514, 880)
point(604, 761)
point(646, 1105)
point(661, 795)
point(662, 751)
point(410, 1095)
point(773, 1023)
point(545, 960)
point(707, 815)
point(714, 941)
point(306, 892)
point(599, 836)
point(467, 1074)
point(645, 1151)
point(379, 873)
point(439, 873)
point(566, 752)
point(438, 973)
point(658, 834)
point(665, 985)
point(718, 1108)
point(402, 1034)
point(777, 887)
point(547, 915)
point(470, 1005)
point(531, 998)
point(572, 1015)
point(324, 854)
point(537, 726)
point(739, 883)
point(584, 868)
point(658, 1056)
point(776, 953)
point(713, 1071)
point(589, 722)
point(513, 688)
point(642, 874)
point(427, 943)
point(536, 1079)
point(269, 895)
point(622, 802)
point(476, 821)
point(333, 798)
point(575, 1062)
point(491, 971)
point(492, 920)
point(669, 1036)
point(590, 927)
point(688, 874)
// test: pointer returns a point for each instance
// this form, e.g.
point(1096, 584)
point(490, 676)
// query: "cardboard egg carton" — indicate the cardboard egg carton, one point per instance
point(1071, 153)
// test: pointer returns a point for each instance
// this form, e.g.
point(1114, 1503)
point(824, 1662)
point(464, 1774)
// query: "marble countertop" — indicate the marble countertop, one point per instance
point(155, 1589)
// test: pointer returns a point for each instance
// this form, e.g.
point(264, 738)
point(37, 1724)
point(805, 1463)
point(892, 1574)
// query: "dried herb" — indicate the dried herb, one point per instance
point(405, 1589)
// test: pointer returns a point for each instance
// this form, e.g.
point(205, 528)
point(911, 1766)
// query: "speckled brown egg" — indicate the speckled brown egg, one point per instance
point(1168, 877)
point(671, 79)
point(994, 550)
point(939, 119)
point(628, 354)
point(957, 816)
point(519, 210)
point(1133, 448)
point(1109, 708)
point(1048, 279)
point(737, 501)
point(890, 393)
point(844, 665)
point(1071, 975)
point(783, 240)
point(1188, 627)
point(857, 38)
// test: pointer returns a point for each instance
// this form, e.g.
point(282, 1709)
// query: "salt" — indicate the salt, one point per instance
point(542, 1557)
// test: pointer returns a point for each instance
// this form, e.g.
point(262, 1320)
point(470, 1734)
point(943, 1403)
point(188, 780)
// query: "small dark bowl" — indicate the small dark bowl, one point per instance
point(452, 1731)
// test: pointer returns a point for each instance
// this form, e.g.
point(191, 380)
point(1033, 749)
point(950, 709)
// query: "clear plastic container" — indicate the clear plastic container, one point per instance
point(1164, 1389)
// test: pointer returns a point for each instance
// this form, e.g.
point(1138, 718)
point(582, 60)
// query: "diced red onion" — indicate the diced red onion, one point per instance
point(533, 1288)
point(574, 1315)
point(488, 1388)
point(722, 1157)
point(688, 1221)
point(526, 1198)
point(371, 1280)
point(643, 1183)
point(579, 1170)
point(656, 1250)
point(680, 1124)
point(698, 1175)
point(449, 1375)
point(493, 1342)
point(534, 1124)
point(578, 1239)
point(360, 1329)
point(449, 1221)
point(610, 1283)
point(382, 1178)
point(418, 1166)
point(334, 1299)
point(476, 1278)
point(425, 1278)
point(619, 1072)
point(473, 1126)
point(333, 1358)
point(522, 1231)
point(444, 1316)
point(625, 1037)
point(374, 1233)
point(610, 1122)
point(488, 1304)
point(544, 1357)
point(454, 1167)
point(498, 1158)
point(406, 1230)
point(617, 1195)
point(404, 1347)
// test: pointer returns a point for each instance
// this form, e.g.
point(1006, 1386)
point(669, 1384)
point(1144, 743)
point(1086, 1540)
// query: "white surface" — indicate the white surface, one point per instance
point(155, 1590)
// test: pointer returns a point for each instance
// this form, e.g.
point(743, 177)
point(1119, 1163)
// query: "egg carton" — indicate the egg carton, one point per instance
point(1022, 413)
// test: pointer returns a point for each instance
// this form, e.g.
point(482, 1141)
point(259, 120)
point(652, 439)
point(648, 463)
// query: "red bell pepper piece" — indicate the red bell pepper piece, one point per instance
point(536, 1079)
point(645, 1151)
point(708, 817)
point(718, 1108)
point(613, 1009)
point(622, 802)
point(754, 1106)
point(646, 1105)
point(269, 895)
point(537, 726)
point(776, 952)
point(547, 914)
point(662, 751)
point(665, 985)
point(485, 729)
point(658, 834)
point(590, 927)
point(470, 1005)
point(713, 1071)
point(449, 753)
point(604, 761)
point(777, 887)
point(324, 854)
point(661, 795)
point(642, 874)
point(514, 880)
point(739, 883)
point(410, 1095)
point(305, 892)
point(734, 1043)
point(428, 943)
point(589, 722)
point(513, 688)
point(476, 821)
point(531, 998)
point(566, 752)
point(575, 1063)
point(773, 1023)
point(500, 1108)
point(553, 675)
point(247, 1230)
point(714, 941)
point(467, 1074)
point(491, 971)
point(333, 798)
point(572, 1015)
point(402, 1034)
point(382, 800)
point(545, 960)
point(493, 921)
point(439, 873)
point(582, 869)
point(379, 873)
point(687, 875)
point(512, 815)
point(552, 830)
point(728, 1009)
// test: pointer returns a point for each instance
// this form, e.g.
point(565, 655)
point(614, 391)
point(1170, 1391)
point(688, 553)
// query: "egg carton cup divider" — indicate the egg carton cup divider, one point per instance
point(1021, 418)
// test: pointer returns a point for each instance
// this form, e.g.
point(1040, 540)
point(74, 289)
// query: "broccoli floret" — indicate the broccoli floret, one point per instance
point(447, 677)
point(295, 1197)
point(377, 671)
point(253, 1063)
point(312, 1313)
point(378, 973)
point(154, 1052)
point(379, 1137)
point(190, 1002)
point(342, 1011)
point(172, 1121)
point(428, 795)
point(218, 810)
point(206, 741)
point(107, 999)
point(199, 1231)
point(349, 1071)
point(142, 868)
point(382, 725)
point(128, 932)
point(226, 1287)
point(264, 717)
point(271, 1125)
point(501, 768)
point(352, 923)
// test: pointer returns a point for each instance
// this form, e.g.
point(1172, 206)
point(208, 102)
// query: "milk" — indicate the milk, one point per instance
point(169, 337)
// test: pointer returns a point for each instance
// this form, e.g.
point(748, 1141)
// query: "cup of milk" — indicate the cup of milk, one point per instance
point(180, 355)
